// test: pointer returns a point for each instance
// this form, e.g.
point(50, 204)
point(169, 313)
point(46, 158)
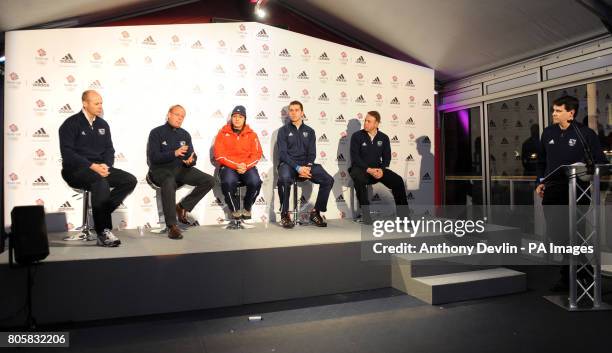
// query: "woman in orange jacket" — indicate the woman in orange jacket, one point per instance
point(237, 150)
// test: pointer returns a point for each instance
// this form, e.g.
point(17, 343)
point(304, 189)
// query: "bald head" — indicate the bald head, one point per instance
point(92, 102)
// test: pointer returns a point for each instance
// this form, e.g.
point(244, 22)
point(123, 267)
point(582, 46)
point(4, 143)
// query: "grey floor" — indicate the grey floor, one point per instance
point(372, 321)
point(210, 238)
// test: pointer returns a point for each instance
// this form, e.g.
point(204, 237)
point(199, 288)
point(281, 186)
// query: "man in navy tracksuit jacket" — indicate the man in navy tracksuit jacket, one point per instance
point(297, 152)
point(370, 159)
point(87, 163)
point(171, 161)
point(560, 144)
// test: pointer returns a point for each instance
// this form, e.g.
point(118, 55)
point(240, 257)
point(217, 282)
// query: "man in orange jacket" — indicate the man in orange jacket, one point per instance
point(237, 150)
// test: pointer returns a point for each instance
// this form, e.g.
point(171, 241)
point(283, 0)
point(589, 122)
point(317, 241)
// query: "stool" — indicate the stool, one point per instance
point(160, 208)
point(237, 223)
point(353, 196)
point(296, 209)
point(86, 228)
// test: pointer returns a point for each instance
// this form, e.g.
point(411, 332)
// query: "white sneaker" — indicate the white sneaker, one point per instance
point(108, 239)
point(75, 236)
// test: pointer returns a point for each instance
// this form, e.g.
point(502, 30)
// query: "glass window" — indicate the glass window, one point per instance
point(462, 157)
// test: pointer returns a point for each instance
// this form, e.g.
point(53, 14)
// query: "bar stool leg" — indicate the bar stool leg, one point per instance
point(236, 223)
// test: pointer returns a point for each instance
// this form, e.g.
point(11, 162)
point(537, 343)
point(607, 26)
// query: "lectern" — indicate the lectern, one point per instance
point(583, 296)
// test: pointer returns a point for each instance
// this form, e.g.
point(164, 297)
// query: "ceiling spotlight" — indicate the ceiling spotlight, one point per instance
point(259, 12)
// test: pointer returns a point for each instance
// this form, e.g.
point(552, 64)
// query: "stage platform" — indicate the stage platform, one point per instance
point(211, 267)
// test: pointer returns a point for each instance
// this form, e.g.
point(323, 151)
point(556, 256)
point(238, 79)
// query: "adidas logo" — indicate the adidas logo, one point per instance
point(284, 95)
point(426, 176)
point(242, 50)
point(492, 123)
point(426, 141)
point(241, 93)
point(504, 106)
point(261, 115)
point(40, 181)
point(530, 107)
point(262, 34)
point(68, 59)
point(284, 53)
point(410, 196)
point(504, 141)
point(303, 200)
point(376, 81)
point(323, 97)
point(66, 109)
point(217, 114)
point(197, 45)
point(395, 139)
point(324, 57)
point(410, 158)
point(376, 197)
point(409, 83)
point(260, 201)
point(341, 78)
point(426, 103)
point(360, 60)
point(171, 65)
point(395, 101)
point(303, 76)
point(41, 82)
point(518, 124)
point(40, 133)
point(262, 73)
point(121, 62)
point(219, 69)
point(66, 205)
point(340, 118)
point(410, 121)
point(323, 138)
point(360, 99)
point(340, 198)
point(341, 158)
point(149, 41)
point(95, 85)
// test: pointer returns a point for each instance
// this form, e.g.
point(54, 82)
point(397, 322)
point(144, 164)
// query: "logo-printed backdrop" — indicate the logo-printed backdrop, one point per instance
point(141, 71)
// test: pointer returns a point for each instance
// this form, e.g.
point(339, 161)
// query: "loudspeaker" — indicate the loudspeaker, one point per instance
point(29, 234)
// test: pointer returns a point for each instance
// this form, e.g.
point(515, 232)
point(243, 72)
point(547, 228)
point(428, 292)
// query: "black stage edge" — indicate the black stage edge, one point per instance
point(210, 268)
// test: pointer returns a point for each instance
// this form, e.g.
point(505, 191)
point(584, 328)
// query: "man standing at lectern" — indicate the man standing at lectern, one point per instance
point(561, 144)
point(370, 159)
point(171, 161)
point(87, 163)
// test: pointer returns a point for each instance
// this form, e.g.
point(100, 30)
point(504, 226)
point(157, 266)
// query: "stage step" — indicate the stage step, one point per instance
point(460, 282)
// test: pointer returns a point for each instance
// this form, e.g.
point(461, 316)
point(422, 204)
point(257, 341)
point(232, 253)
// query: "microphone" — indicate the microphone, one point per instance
point(586, 148)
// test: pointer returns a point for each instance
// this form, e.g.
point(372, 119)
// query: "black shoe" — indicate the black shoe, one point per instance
point(286, 220)
point(317, 219)
point(562, 286)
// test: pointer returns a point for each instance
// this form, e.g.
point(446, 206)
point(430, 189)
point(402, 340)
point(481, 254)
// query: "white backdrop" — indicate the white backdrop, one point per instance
point(208, 68)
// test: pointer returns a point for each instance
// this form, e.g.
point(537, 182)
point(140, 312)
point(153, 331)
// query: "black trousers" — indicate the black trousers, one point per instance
point(169, 179)
point(103, 200)
point(390, 179)
point(286, 176)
